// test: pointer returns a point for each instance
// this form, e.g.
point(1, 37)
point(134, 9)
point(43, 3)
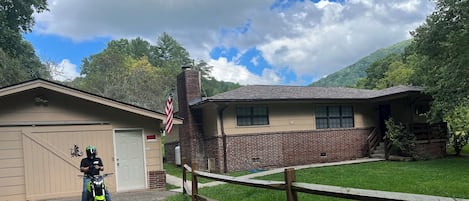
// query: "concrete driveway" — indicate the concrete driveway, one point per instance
point(143, 195)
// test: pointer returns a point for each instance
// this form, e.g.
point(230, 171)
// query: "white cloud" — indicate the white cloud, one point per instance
point(231, 72)
point(64, 71)
point(310, 39)
point(334, 35)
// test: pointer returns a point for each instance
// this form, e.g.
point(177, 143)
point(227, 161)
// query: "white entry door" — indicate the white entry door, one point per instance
point(130, 160)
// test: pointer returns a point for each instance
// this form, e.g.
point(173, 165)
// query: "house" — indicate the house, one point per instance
point(45, 127)
point(264, 126)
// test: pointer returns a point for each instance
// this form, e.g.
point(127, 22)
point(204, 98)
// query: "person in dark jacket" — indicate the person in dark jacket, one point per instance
point(90, 166)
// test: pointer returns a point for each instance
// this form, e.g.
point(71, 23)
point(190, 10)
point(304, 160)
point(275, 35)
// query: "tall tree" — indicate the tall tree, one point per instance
point(168, 53)
point(123, 71)
point(443, 44)
point(136, 72)
point(18, 59)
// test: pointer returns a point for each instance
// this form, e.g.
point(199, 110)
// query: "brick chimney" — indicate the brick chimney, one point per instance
point(191, 135)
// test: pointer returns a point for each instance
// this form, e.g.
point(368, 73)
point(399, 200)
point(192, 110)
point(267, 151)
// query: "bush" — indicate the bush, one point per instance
point(458, 126)
point(401, 137)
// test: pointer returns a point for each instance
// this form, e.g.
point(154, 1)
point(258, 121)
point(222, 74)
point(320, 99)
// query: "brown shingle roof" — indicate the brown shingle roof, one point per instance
point(271, 92)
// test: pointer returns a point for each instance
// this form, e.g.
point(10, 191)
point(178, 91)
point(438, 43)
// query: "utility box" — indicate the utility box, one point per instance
point(177, 153)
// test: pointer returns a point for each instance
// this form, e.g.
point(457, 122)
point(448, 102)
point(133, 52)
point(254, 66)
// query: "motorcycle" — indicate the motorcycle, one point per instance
point(96, 187)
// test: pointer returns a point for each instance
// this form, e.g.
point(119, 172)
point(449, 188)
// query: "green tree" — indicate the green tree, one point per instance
point(398, 73)
point(123, 71)
point(377, 71)
point(18, 59)
point(136, 72)
point(104, 73)
point(16, 18)
point(458, 125)
point(442, 43)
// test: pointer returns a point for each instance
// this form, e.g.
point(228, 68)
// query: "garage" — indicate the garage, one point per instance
point(45, 126)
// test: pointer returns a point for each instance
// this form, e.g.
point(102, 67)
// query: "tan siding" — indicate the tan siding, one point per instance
point(282, 117)
point(12, 172)
point(48, 159)
point(10, 153)
point(10, 136)
point(10, 144)
point(153, 155)
point(295, 117)
point(366, 115)
point(60, 139)
point(11, 165)
point(210, 119)
point(11, 190)
point(12, 162)
point(11, 181)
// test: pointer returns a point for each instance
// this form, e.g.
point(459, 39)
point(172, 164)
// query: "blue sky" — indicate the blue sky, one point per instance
point(279, 42)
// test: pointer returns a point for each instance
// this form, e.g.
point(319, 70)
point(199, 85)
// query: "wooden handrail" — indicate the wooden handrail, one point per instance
point(373, 140)
point(291, 187)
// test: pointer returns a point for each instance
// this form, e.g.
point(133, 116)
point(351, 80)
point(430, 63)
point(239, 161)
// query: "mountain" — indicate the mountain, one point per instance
point(349, 75)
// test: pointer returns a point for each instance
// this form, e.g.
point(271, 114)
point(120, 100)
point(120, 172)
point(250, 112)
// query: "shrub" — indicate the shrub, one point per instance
point(458, 126)
point(401, 137)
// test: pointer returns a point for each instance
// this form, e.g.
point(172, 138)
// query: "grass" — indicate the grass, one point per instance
point(177, 172)
point(441, 177)
point(465, 150)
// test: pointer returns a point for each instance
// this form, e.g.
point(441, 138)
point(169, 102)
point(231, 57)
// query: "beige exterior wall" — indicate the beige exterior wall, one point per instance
point(12, 182)
point(39, 157)
point(50, 170)
point(210, 114)
point(284, 117)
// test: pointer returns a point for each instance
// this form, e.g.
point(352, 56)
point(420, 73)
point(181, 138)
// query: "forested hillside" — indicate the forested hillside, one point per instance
point(438, 60)
point(349, 75)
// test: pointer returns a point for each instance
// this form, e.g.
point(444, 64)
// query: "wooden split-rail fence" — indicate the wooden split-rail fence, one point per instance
point(291, 188)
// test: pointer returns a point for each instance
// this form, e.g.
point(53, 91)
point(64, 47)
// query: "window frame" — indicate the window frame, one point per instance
point(328, 117)
point(252, 116)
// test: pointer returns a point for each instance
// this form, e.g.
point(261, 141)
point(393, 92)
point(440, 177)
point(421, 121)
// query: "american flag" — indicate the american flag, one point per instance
point(169, 115)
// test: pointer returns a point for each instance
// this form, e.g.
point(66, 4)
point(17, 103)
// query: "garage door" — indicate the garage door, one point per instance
point(50, 169)
point(11, 165)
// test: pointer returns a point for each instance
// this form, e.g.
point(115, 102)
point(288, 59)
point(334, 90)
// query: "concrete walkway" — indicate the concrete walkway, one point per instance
point(176, 181)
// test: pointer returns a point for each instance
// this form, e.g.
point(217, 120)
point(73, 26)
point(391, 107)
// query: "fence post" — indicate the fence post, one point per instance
point(184, 177)
point(194, 182)
point(290, 177)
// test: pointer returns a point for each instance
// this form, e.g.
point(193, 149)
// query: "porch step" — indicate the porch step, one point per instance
point(378, 155)
point(378, 152)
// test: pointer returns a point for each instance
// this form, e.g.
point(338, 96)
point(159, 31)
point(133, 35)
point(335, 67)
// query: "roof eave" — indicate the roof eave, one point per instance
point(41, 83)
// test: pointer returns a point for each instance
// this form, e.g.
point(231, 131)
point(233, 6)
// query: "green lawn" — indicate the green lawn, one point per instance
point(443, 177)
point(177, 171)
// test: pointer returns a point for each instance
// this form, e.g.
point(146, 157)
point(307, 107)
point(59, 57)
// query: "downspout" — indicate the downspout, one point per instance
point(223, 134)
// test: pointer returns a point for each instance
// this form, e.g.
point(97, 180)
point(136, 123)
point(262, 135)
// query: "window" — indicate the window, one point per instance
point(253, 115)
point(334, 117)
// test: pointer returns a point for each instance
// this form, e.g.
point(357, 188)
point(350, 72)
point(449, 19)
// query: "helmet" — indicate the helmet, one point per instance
point(91, 151)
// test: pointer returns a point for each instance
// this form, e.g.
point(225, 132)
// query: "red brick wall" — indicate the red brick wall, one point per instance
point(157, 179)
point(295, 148)
point(191, 132)
point(431, 150)
point(214, 148)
